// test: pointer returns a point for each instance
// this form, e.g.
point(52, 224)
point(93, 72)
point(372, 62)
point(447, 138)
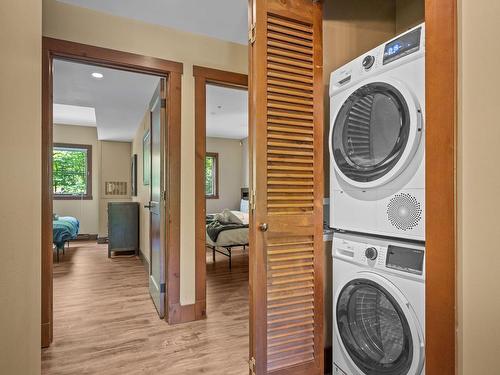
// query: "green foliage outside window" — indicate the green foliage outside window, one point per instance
point(210, 175)
point(69, 171)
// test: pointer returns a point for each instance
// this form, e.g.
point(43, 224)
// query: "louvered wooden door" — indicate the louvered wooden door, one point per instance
point(286, 137)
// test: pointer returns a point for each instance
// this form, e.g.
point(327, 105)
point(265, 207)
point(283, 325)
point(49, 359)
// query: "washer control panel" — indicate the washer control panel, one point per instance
point(384, 254)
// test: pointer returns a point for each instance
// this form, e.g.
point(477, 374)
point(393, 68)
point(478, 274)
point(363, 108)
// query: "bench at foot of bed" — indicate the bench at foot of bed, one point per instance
point(225, 250)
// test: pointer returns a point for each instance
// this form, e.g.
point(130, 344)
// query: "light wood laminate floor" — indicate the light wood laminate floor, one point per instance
point(105, 322)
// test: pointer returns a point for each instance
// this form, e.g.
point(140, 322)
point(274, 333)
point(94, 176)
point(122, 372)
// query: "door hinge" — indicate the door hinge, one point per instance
point(163, 103)
point(252, 200)
point(251, 34)
point(251, 366)
point(164, 195)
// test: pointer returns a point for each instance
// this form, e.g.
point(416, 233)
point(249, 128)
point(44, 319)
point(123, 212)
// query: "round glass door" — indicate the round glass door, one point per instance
point(374, 329)
point(371, 132)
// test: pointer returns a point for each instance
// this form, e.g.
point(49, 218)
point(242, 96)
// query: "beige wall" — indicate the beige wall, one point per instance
point(86, 26)
point(86, 211)
point(230, 176)
point(143, 191)
point(114, 166)
point(20, 118)
point(479, 188)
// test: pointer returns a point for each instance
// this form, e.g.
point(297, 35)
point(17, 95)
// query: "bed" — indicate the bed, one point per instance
point(228, 229)
point(64, 229)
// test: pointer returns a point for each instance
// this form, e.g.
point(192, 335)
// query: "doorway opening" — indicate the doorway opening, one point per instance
point(109, 127)
point(222, 199)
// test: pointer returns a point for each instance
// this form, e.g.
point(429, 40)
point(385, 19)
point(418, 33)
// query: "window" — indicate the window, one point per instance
point(72, 171)
point(212, 175)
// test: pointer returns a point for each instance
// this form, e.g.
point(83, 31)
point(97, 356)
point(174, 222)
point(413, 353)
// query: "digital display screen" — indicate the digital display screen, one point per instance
point(405, 259)
point(402, 46)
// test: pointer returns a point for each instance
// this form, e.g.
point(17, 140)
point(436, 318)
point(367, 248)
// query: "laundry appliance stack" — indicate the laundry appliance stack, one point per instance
point(377, 209)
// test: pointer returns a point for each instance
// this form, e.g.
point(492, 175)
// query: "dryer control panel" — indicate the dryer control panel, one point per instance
point(393, 256)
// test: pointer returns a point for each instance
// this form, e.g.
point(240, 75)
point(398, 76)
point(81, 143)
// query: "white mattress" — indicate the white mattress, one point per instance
point(232, 237)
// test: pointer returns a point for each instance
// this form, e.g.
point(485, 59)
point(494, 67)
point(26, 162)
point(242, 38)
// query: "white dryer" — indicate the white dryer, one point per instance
point(377, 140)
point(378, 306)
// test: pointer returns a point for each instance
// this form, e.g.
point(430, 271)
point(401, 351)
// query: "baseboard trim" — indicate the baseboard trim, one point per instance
point(178, 314)
point(46, 339)
point(86, 237)
point(144, 260)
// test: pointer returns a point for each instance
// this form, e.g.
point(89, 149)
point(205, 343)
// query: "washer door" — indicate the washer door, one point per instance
point(376, 329)
point(375, 133)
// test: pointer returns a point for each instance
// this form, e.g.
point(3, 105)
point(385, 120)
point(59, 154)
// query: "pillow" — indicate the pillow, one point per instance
point(233, 218)
point(243, 216)
point(227, 217)
point(244, 205)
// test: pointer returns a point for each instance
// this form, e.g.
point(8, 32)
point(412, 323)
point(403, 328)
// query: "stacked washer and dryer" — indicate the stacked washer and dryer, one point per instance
point(377, 209)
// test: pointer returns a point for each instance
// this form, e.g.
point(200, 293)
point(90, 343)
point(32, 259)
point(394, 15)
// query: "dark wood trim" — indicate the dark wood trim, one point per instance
point(86, 237)
point(187, 313)
point(202, 77)
point(214, 155)
point(110, 58)
point(87, 196)
point(223, 77)
point(173, 255)
point(172, 71)
point(46, 156)
point(441, 125)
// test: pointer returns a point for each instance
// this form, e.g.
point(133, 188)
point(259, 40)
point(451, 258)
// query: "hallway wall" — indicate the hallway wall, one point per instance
point(20, 149)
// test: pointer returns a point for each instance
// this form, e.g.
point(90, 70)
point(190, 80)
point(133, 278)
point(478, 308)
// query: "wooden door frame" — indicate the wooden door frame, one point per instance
point(202, 77)
point(441, 186)
point(172, 71)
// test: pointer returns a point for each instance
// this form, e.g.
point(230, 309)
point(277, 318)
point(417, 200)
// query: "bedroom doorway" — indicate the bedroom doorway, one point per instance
point(111, 157)
point(221, 190)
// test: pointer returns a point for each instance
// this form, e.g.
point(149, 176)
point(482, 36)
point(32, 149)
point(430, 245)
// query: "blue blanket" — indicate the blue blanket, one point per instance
point(65, 228)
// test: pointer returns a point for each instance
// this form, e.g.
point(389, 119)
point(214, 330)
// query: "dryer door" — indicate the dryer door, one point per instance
point(375, 133)
point(378, 332)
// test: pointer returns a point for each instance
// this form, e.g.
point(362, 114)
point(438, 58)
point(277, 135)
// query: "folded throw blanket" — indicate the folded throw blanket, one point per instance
point(215, 227)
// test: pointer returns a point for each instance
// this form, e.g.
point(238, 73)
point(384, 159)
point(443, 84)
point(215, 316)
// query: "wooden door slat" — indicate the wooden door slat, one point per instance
point(290, 91)
point(291, 303)
point(289, 76)
point(277, 337)
point(290, 24)
point(280, 35)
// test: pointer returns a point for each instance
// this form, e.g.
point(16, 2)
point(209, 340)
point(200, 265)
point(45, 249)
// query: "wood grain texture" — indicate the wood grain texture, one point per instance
point(286, 104)
point(441, 123)
point(105, 321)
point(202, 77)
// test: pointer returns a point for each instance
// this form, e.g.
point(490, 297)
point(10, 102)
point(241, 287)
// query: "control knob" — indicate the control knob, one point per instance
point(371, 253)
point(368, 62)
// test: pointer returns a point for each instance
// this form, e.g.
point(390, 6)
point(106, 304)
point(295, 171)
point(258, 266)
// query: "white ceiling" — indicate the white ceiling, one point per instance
point(227, 112)
point(222, 19)
point(120, 98)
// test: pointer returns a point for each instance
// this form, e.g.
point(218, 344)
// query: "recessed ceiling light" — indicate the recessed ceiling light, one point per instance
point(97, 75)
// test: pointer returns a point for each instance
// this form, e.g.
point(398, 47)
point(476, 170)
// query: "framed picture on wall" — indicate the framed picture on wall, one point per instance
point(133, 177)
point(146, 158)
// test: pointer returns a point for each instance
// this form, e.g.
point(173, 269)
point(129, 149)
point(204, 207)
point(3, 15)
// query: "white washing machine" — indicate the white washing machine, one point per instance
point(378, 306)
point(377, 140)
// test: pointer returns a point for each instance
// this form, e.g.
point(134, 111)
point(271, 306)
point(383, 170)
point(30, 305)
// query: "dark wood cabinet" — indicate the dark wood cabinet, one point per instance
point(123, 227)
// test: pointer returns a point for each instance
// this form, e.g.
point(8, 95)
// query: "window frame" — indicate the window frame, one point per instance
point(215, 156)
point(88, 195)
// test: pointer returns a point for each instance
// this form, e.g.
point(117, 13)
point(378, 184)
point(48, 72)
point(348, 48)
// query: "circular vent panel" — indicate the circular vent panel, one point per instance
point(404, 211)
